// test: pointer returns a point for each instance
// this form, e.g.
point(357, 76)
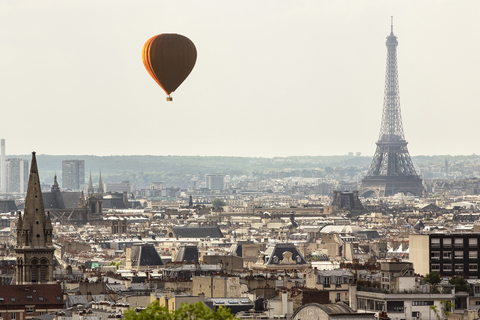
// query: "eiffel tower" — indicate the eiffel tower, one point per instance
point(391, 171)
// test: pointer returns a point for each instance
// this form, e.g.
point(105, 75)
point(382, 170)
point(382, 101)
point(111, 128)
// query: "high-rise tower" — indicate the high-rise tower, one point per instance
point(73, 174)
point(392, 170)
point(34, 247)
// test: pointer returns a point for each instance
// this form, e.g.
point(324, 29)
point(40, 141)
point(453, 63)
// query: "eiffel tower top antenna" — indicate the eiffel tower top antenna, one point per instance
point(391, 24)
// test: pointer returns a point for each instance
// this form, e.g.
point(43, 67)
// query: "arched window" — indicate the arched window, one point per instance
point(43, 269)
point(34, 270)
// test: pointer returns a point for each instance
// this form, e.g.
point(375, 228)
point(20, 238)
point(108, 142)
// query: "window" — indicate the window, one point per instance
point(447, 255)
point(34, 273)
point(447, 267)
point(458, 254)
point(13, 316)
point(435, 255)
point(338, 297)
point(472, 254)
point(43, 273)
point(473, 267)
point(459, 267)
point(338, 281)
point(361, 303)
point(435, 267)
point(458, 242)
point(416, 314)
point(435, 242)
point(40, 298)
point(326, 281)
point(422, 303)
point(30, 309)
point(12, 299)
point(472, 242)
point(447, 242)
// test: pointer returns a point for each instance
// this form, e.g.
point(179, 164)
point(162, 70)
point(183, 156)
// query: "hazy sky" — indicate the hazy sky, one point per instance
point(272, 78)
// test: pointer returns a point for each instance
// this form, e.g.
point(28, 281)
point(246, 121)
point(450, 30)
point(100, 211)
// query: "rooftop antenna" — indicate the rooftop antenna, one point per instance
point(391, 24)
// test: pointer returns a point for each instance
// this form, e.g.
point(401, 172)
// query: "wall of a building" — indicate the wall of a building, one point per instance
point(419, 250)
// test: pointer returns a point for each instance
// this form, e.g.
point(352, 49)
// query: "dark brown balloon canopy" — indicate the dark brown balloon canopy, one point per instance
point(169, 59)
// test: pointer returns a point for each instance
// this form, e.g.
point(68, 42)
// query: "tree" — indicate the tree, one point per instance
point(218, 203)
point(116, 264)
point(433, 278)
point(460, 284)
point(197, 311)
point(445, 310)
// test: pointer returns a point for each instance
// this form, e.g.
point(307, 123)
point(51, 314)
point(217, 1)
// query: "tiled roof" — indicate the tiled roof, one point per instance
point(37, 294)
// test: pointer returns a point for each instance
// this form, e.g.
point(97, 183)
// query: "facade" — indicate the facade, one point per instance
point(414, 304)
point(217, 286)
point(34, 247)
point(214, 181)
point(17, 175)
point(448, 254)
point(336, 282)
point(392, 170)
point(73, 174)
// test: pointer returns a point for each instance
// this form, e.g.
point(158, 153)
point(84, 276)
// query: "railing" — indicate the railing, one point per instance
point(433, 290)
point(405, 270)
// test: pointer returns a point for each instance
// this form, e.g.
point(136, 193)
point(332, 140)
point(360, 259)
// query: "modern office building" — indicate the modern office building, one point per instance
point(448, 254)
point(214, 181)
point(16, 175)
point(73, 174)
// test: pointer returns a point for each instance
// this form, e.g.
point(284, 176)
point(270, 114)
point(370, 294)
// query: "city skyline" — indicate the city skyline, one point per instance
point(271, 79)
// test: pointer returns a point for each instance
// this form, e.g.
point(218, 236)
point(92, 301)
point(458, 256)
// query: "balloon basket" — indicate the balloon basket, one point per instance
point(169, 98)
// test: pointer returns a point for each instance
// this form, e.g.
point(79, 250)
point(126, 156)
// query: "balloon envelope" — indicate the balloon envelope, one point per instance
point(169, 59)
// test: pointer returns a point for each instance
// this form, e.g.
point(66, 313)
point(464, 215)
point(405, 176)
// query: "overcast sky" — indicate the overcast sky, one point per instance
point(272, 78)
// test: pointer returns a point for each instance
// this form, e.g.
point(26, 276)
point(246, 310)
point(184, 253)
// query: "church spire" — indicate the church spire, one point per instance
point(90, 186)
point(100, 184)
point(34, 213)
point(55, 187)
point(34, 236)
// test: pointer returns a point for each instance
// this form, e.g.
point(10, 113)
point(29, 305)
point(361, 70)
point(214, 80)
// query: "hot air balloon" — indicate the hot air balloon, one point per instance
point(169, 58)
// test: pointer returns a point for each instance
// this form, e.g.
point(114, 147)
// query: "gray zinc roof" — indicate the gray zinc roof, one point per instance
point(198, 232)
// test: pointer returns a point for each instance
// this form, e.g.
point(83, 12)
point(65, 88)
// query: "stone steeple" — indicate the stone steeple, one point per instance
point(55, 187)
point(34, 236)
point(90, 186)
point(100, 184)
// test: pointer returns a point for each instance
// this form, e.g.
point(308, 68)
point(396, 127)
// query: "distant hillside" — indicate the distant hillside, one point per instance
point(143, 170)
